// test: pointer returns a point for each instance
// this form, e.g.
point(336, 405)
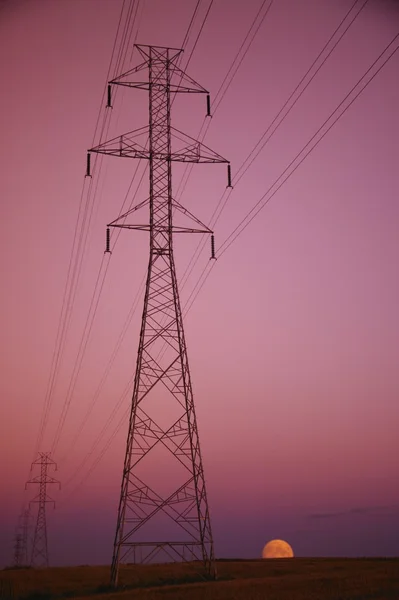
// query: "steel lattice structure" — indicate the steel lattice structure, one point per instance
point(26, 518)
point(21, 556)
point(18, 562)
point(169, 517)
point(40, 547)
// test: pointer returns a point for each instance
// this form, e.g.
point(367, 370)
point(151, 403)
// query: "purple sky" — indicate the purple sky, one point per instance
point(292, 341)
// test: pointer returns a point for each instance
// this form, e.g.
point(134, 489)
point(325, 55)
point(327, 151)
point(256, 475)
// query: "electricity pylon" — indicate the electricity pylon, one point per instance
point(18, 550)
point(39, 547)
point(163, 507)
point(21, 557)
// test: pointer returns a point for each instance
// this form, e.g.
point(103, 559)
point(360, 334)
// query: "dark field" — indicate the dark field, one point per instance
point(277, 579)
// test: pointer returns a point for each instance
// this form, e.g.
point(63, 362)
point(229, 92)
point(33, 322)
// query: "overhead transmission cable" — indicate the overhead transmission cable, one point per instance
point(261, 143)
point(295, 163)
point(76, 256)
point(226, 83)
point(191, 24)
point(199, 32)
point(95, 298)
point(262, 202)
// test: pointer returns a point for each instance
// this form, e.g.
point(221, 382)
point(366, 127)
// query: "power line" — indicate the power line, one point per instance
point(103, 431)
point(255, 210)
point(95, 299)
point(263, 201)
point(188, 32)
point(199, 33)
point(201, 134)
point(235, 68)
point(87, 329)
point(64, 319)
point(254, 153)
point(75, 262)
point(102, 103)
point(259, 143)
point(121, 422)
point(109, 365)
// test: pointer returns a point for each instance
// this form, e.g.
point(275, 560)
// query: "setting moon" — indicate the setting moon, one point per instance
point(277, 549)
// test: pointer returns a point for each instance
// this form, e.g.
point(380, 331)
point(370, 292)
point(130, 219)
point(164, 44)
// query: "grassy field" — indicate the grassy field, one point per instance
point(277, 579)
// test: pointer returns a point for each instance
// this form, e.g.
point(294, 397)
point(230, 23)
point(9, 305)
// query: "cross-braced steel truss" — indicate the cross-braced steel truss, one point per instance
point(39, 546)
point(163, 508)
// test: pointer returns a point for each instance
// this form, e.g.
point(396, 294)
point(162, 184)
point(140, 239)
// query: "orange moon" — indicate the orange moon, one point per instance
point(277, 549)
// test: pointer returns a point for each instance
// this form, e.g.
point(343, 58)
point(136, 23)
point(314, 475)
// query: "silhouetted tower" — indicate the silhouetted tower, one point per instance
point(163, 509)
point(21, 558)
point(25, 523)
point(18, 562)
point(39, 547)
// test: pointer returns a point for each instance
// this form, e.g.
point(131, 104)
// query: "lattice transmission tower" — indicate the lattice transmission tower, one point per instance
point(39, 547)
point(21, 545)
point(26, 521)
point(163, 508)
point(18, 550)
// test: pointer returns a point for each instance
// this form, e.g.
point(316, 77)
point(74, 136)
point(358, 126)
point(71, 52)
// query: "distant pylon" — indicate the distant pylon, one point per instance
point(163, 507)
point(39, 547)
point(25, 523)
point(21, 556)
point(18, 549)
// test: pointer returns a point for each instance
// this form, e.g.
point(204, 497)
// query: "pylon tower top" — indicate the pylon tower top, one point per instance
point(179, 81)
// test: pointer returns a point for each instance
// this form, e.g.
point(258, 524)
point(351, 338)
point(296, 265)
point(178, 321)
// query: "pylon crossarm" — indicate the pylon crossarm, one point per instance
point(190, 150)
point(46, 479)
point(119, 80)
point(129, 212)
point(175, 229)
point(40, 499)
point(195, 148)
point(185, 211)
point(186, 85)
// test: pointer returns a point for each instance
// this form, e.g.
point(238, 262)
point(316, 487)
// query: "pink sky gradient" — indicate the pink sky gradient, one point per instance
point(293, 340)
